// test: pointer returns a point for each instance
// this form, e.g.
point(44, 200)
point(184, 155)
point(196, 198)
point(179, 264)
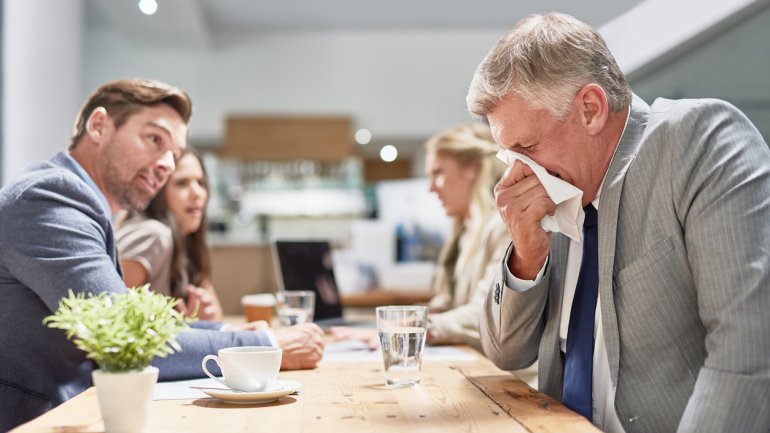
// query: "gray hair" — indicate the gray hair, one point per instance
point(547, 59)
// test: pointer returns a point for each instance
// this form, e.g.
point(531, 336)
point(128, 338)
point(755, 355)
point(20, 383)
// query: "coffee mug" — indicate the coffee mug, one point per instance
point(247, 368)
point(258, 307)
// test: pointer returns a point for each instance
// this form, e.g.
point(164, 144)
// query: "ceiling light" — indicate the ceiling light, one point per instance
point(388, 153)
point(363, 136)
point(148, 7)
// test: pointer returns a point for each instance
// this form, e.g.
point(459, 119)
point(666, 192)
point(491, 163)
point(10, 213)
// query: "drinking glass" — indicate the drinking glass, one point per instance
point(402, 336)
point(295, 306)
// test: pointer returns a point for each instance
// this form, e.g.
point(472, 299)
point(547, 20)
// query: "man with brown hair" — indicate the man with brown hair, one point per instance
point(57, 235)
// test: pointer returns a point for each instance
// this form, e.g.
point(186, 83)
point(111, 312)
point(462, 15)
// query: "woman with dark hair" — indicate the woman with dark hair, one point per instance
point(165, 245)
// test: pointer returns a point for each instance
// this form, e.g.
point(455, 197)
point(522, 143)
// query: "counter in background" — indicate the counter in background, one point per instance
point(242, 268)
point(378, 297)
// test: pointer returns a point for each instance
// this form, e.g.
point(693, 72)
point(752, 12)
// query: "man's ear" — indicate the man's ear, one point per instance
point(97, 124)
point(593, 108)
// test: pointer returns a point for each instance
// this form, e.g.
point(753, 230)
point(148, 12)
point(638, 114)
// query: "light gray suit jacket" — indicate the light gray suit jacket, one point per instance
point(684, 276)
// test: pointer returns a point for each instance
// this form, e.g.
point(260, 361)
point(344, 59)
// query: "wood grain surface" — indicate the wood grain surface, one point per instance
point(341, 397)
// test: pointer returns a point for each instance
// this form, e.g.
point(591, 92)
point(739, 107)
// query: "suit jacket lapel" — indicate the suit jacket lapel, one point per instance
point(68, 163)
point(551, 369)
point(627, 149)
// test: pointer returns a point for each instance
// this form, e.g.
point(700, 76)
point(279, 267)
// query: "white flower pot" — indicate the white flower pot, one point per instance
point(124, 398)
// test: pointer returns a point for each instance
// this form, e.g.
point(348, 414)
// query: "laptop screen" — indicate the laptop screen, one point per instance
point(307, 265)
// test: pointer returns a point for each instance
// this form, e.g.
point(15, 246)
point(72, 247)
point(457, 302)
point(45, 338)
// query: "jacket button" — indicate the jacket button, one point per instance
point(497, 293)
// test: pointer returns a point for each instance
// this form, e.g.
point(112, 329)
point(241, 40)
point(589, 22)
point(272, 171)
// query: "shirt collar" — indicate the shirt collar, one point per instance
point(81, 172)
point(595, 202)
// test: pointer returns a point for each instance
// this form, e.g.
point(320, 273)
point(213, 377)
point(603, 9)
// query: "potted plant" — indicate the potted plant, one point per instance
point(122, 333)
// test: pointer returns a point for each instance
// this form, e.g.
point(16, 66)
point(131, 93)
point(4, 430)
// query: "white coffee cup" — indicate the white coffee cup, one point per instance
point(247, 368)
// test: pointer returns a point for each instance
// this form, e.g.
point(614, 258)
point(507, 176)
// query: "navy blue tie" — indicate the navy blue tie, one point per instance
point(578, 364)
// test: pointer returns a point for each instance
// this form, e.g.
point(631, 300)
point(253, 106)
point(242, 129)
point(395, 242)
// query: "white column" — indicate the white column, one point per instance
point(42, 45)
point(656, 28)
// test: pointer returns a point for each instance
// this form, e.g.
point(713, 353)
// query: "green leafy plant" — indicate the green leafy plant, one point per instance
point(121, 332)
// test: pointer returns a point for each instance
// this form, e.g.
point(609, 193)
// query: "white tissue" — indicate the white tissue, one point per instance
point(569, 215)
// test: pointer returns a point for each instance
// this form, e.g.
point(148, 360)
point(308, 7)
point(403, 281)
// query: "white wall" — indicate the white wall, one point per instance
point(41, 78)
point(734, 65)
point(396, 83)
point(700, 49)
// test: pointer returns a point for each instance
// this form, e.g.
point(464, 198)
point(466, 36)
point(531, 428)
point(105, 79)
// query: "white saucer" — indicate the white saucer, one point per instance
point(278, 389)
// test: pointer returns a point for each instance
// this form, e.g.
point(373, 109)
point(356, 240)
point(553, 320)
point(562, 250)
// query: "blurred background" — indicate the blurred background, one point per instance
point(311, 115)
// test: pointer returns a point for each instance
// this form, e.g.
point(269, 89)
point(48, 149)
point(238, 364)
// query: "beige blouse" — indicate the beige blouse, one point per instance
point(150, 243)
point(460, 288)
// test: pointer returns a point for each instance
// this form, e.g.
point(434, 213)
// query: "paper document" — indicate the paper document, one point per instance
point(357, 351)
point(180, 390)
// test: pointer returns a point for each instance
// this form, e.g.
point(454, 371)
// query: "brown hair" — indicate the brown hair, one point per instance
point(123, 98)
point(547, 59)
point(191, 258)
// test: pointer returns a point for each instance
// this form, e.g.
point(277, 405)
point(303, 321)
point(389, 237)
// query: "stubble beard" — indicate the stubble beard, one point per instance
point(130, 195)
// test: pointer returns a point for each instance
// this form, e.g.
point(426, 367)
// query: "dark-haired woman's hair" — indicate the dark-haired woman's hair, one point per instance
point(191, 259)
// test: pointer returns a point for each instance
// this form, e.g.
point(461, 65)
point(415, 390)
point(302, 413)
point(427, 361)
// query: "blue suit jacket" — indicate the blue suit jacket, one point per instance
point(56, 234)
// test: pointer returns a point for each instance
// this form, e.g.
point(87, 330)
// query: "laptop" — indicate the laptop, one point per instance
point(307, 265)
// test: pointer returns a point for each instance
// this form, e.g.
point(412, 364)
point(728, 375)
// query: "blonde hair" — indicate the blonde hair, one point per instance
point(471, 144)
point(547, 59)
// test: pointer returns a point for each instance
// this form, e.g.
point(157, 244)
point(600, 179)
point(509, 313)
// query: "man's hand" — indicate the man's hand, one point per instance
point(370, 337)
point(258, 325)
point(523, 203)
point(302, 345)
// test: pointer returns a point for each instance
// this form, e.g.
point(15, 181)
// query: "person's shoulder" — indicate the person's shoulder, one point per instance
point(44, 193)
point(141, 221)
point(44, 173)
point(142, 226)
point(52, 181)
point(495, 232)
point(705, 120)
point(679, 110)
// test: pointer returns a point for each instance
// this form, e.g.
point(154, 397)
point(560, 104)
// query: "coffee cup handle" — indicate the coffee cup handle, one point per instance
point(214, 358)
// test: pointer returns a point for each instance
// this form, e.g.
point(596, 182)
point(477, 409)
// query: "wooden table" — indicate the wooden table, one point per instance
point(340, 397)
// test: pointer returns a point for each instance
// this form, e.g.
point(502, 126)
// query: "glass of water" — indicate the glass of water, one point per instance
point(402, 336)
point(295, 306)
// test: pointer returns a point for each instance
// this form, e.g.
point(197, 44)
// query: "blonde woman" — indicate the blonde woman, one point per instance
point(462, 170)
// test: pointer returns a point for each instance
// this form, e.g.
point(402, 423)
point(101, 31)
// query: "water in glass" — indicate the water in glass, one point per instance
point(294, 316)
point(401, 351)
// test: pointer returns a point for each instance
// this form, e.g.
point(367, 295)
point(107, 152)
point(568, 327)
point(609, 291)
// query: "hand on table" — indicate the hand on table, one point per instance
point(344, 333)
point(257, 325)
point(523, 203)
point(302, 345)
point(205, 301)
